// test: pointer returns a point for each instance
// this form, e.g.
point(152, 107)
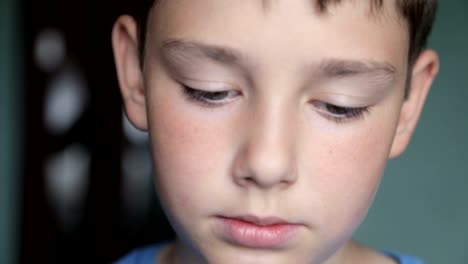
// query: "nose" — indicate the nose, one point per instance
point(266, 159)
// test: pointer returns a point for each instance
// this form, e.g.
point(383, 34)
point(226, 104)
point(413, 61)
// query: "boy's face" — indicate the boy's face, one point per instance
point(270, 125)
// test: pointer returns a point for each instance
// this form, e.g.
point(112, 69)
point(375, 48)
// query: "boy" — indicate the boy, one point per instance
point(271, 122)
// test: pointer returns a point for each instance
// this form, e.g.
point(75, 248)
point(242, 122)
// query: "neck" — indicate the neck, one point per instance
point(178, 253)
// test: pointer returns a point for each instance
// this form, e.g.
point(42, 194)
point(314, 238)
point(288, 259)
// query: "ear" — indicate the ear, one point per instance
point(129, 72)
point(424, 71)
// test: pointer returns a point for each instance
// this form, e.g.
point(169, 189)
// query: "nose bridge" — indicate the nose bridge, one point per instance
point(269, 127)
point(268, 152)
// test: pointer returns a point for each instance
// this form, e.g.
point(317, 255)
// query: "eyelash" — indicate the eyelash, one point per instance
point(210, 98)
point(339, 114)
point(335, 113)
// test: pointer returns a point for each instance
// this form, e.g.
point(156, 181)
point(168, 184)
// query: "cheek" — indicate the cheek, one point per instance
point(360, 164)
point(190, 156)
point(346, 170)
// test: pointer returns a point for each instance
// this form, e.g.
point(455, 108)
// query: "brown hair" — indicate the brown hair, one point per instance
point(419, 14)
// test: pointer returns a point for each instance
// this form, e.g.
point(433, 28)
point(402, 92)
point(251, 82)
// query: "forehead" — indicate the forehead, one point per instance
point(372, 10)
point(288, 29)
point(319, 5)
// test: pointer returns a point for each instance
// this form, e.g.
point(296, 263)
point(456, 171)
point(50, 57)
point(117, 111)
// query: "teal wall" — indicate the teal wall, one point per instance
point(422, 207)
point(9, 122)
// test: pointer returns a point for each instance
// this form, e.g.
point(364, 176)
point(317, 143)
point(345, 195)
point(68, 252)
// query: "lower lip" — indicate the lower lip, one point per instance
point(250, 235)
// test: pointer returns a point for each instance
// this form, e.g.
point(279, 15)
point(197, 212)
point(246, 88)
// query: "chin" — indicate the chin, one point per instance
point(229, 254)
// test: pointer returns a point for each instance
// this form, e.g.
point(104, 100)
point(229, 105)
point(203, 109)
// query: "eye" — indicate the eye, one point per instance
point(210, 98)
point(339, 113)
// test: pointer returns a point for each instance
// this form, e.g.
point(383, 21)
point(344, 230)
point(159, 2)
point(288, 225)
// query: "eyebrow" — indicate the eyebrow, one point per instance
point(329, 68)
point(179, 48)
point(344, 68)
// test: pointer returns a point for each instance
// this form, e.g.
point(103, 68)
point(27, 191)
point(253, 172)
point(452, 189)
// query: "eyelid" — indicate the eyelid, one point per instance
point(351, 95)
point(208, 86)
point(344, 100)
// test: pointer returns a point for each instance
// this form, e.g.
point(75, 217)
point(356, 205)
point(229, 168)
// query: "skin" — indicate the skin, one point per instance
point(272, 146)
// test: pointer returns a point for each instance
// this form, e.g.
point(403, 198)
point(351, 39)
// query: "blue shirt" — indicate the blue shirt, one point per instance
point(148, 255)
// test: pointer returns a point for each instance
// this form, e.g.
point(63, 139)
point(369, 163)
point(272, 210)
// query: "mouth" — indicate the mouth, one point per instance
point(258, 232)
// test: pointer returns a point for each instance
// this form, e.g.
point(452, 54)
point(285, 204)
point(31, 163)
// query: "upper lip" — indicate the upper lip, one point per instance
point(260, 221)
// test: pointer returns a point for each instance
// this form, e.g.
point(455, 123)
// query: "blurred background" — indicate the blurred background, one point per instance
point(75, 177)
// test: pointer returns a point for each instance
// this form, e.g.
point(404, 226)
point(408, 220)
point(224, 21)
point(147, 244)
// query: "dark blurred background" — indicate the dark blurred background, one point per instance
point(75, 177)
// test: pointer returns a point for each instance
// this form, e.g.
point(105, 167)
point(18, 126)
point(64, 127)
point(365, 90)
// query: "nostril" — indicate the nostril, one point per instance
point(243, 177)
point(263, 177)
point(264, 164)
point(247, 181)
